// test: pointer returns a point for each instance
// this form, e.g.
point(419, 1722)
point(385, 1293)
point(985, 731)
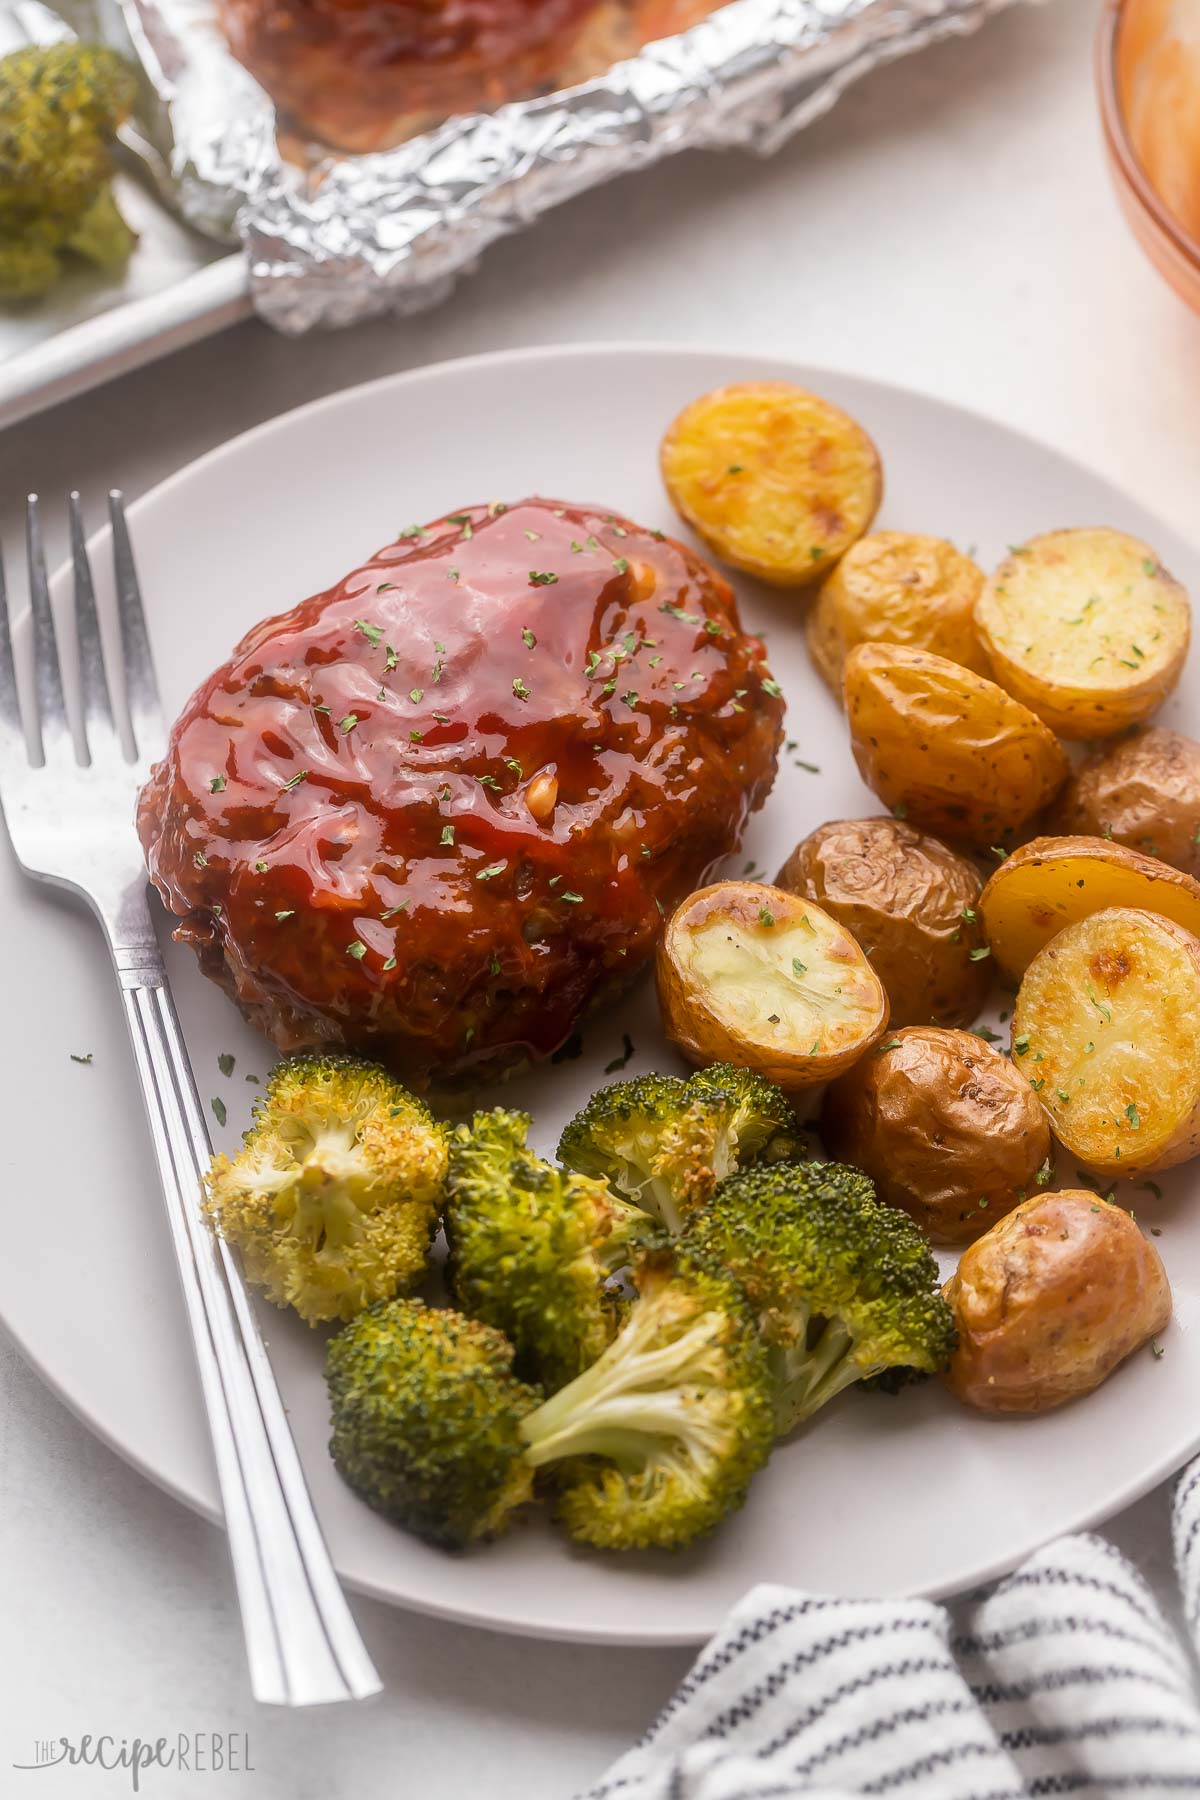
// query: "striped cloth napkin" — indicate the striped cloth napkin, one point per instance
point(1063, 1679)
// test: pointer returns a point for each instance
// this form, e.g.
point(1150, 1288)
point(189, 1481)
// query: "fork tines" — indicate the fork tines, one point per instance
point(46, 713)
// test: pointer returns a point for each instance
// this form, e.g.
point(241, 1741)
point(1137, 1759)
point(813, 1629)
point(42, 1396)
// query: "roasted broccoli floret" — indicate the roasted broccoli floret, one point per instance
point(333, 1199)
point(532, 1246)
point(649, 1448)
point(27, 269)
point(665, 1142)
point(657, 1442)
point(845, 1287)
point(427, 1420)
point(58, 104)
point(100, 235)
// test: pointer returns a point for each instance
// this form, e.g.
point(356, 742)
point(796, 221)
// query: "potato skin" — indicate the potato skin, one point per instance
point(1050, 1301)
point(910, 902)
point(1049, 883)
point(897, 587)
point(824, 641)
point(1144, 791)
point(947, 748)
point(1086, 628)
point(777, 481)
point(1104, 1025)
point(944, 1126)
point(750, 974)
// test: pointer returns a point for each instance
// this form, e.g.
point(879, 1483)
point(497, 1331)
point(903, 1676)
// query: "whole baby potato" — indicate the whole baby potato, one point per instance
point(1143, 791)
point(911, 902)
point(898, 587)
point(1050, 1301)
point(947, 748)
point(945, 1127)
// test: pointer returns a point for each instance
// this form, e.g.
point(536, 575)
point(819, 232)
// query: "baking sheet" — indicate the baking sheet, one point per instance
point(105, 335)
point(391, 231)
point(176, 287)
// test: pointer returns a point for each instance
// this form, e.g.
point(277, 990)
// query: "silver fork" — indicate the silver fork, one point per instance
point(70, 818)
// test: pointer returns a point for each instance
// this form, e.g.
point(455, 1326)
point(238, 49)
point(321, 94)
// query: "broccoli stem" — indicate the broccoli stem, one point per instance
point(627, 1223)
point(725, 1153)
point(627, 1394)
point(327, 1213)
point(648, 1195)
point(812, 1375)
point(663, 1207)
point(620, 1429)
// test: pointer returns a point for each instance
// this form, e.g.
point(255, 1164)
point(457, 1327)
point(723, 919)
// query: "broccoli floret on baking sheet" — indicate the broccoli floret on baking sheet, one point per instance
point(59, 104)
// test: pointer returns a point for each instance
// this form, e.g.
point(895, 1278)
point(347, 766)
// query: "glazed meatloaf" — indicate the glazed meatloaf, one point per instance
point(438, 811)
point(363, 74)
point(359, 74)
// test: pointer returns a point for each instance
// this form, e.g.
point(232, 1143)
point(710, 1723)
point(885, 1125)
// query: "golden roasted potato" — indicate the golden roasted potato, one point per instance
point(897, 587)
point(945, 1127)
point(753, 975)
point(946, 748)
point(1086, 628)
point(775, 480)
point(1143, 791)
point(911, 903)
point(1104, 1028)
point(1050, 1301)
point(1051, 882)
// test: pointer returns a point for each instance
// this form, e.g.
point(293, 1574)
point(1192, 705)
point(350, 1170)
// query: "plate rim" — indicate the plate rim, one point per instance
point(547, 1631)
point(1087, 1517)
point(675, 349)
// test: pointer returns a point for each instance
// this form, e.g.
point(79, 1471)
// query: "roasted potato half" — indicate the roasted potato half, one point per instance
point(911, 903)
point(1086, 628)
point(946, 748)
point(1144, 791)
point(945, 1127)
point(1050, 1301)
point(1051, 882)
point(775, 480)
point(1104, 1029)
point(897, 587)
point(753, 975)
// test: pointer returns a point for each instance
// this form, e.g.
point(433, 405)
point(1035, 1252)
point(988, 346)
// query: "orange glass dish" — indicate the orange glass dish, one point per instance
point(1148, 71)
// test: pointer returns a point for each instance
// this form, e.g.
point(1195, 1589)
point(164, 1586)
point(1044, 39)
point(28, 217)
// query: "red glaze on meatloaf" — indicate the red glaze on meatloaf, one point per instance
point(433, 814)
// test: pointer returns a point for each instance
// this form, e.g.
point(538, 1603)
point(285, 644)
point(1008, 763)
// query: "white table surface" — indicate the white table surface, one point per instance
point(949, 226)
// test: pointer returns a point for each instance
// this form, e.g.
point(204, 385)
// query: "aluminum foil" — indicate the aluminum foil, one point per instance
point(355, 236)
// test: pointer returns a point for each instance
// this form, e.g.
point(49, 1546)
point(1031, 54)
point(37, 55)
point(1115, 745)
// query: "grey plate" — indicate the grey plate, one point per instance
point(913, 1495)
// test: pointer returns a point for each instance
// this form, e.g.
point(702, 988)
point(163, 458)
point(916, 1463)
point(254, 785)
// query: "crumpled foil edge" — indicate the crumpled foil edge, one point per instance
point(392, 231)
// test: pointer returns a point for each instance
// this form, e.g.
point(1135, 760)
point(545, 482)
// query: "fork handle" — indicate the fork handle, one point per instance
point(301, 1640)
